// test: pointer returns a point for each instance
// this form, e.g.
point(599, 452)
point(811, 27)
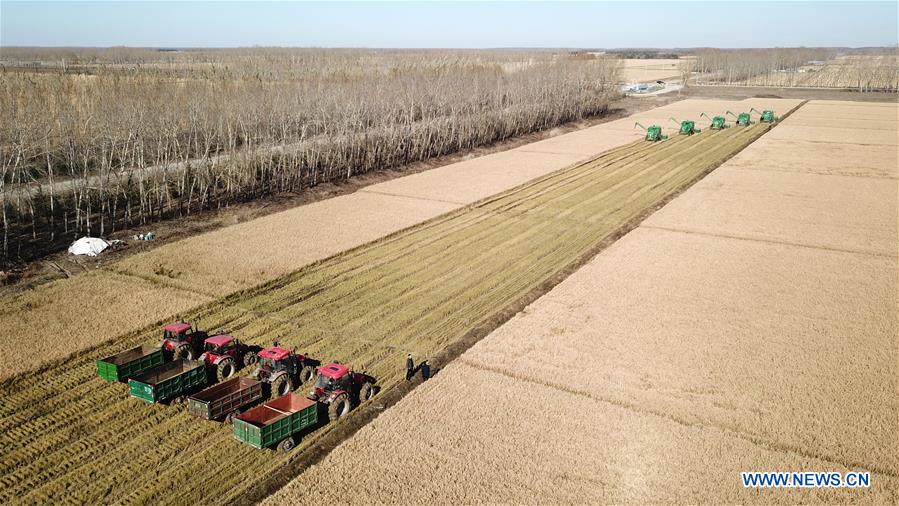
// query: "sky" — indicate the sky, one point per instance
point(449, 25)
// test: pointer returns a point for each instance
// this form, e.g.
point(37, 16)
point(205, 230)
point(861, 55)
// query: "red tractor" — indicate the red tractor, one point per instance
point(338, 387)
point(283, 370)
point(179, 340)
point(226, 354)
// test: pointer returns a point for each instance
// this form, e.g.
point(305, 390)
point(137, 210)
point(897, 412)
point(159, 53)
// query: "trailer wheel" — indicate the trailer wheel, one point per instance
point(366, 392)
point(225, 369)
point(307, 373)
point(280, 386)
point(249, 359)
point(287, 445)
point(184, 351)
point(339, 407)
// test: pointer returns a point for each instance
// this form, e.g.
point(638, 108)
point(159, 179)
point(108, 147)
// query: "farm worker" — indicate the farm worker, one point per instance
point(410, 367)
point(425, 370)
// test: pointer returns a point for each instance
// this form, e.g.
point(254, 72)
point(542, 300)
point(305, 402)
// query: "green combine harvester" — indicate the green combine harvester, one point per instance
point(743, 119)
point(653, 133)
point(718, 122)
point(687, 127)
point(766, 116)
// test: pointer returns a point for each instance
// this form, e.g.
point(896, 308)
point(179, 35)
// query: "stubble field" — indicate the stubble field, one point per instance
point(67, 436)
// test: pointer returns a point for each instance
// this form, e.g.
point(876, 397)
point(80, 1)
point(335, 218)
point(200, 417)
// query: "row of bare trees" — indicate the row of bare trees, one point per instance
point(802, 67)
point(92, 145)
point(735, 66)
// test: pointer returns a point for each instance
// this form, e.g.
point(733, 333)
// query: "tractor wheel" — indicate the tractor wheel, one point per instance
point(184, 351)
point(307, 373)
point(287, 445)
point(366, 392)
point(339, 407)
point(224, 369)
point(280, 386)
point(249, 359)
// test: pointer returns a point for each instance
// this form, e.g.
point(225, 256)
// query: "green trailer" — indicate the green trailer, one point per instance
point(129, 363)
point(276, 422)
point(226, 399)
point(171, 381)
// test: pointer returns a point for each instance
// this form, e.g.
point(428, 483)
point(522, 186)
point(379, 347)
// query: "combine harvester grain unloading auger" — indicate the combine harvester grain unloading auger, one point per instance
point(653, 133)
point(743, 119)
point(766, 116)
point(718, 122)
point(687, 127)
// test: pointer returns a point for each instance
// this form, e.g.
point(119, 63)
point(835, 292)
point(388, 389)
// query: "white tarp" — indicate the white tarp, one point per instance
point(90, 246)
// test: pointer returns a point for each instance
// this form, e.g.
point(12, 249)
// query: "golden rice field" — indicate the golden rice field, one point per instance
point(69, 437)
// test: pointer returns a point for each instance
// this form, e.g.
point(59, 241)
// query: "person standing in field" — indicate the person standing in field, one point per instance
point(410, 367)
point(425, 370)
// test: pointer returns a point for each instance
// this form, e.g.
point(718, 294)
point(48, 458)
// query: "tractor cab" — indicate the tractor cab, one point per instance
point(180, 340)
point(177, 333)
point(339, 388)
point(276, 360)
point(282, 369)
point(332, 378)
point(227, 355)
point(219, 346)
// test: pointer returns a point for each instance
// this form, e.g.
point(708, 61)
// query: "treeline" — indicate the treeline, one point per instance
point(644, 54)
point(149, 135)
point(732, 66)
point(863, 70)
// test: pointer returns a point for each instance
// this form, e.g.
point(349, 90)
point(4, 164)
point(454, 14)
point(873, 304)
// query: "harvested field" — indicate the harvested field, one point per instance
point(650, 70)
point(417, 291)
point(836, 134)
point(586, 450)
point(247, 254)
point(277, 244)
point(472, 180)
point(80, 313)
point(672, 362)
point(836, 158)
point(842, 109)
point(782, 345)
